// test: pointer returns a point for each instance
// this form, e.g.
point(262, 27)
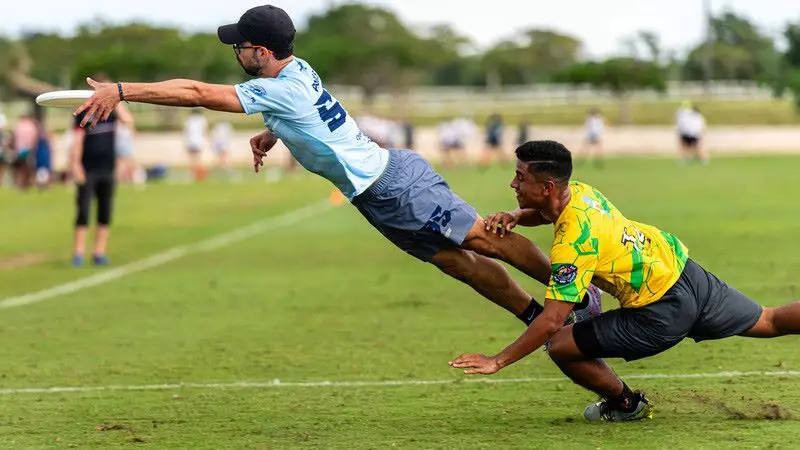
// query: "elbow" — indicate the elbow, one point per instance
point(551, 325)
point(199, 93)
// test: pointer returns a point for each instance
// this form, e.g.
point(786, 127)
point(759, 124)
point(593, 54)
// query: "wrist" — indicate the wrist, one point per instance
point(121, 92)
point(501, 360)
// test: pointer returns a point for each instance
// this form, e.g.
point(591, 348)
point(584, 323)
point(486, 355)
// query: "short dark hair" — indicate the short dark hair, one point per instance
point(549, 158)
point(284, 53)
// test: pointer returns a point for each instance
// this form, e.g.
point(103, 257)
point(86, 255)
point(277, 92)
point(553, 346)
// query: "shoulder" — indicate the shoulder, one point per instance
point(289, 82)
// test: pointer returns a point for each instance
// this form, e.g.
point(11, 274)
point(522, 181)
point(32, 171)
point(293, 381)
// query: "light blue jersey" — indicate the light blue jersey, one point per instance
point(315, 127)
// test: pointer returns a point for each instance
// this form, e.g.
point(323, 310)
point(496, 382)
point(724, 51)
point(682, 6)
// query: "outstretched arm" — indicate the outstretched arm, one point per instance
point(181, 92)
point(178, 92)
point(503, 222)
point(540, 330)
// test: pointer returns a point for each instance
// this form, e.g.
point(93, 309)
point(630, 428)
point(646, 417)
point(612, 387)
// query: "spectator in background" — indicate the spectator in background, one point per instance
point(493, 150)
point(691, 126)
point(594, 129)
point(25, 139)
point(93, 164)
point(451, 143)
point(453, 138)
point(220, 145)
point(43, 158)
point(4, 146)
point(681, 119)
point(523, 132)
point(124, 145)
point(408, 134)
point(195, 130)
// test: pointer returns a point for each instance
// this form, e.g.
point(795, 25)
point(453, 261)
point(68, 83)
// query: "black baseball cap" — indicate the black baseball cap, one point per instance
point(265, 25)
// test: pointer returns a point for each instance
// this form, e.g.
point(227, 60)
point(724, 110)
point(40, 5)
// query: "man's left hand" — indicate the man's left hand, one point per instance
point(101, 104)
point(476, 363)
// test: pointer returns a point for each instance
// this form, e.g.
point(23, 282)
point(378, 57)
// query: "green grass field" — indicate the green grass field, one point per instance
point(325, 298)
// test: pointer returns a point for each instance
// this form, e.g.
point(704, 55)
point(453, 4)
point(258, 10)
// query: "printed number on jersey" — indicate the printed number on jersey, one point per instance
point(333, 115)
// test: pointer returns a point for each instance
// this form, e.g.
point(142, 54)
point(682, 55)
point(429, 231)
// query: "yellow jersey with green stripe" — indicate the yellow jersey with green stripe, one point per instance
point(595, 244)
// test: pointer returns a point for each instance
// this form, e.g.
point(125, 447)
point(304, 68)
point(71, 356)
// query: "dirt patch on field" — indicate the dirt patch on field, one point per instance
point(22, 260)
point(757, 411)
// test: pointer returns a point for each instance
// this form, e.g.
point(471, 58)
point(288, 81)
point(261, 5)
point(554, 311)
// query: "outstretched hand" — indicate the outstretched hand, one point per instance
point(260, 144)
point(101, 104)
point(476, 363)
point(501, 223)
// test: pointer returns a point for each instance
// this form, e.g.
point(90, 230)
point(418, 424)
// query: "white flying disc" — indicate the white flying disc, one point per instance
point(64, 99)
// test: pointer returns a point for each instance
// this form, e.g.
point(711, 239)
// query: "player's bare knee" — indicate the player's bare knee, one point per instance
point(557, 349)
point(563, 348)
point(484, 244)
point(458, 263)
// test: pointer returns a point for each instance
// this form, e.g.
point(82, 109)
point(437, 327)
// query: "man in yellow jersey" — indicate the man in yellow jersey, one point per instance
point(665, 295)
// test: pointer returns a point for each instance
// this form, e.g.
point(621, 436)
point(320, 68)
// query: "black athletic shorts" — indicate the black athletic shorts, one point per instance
point(690, 141)
point(699, 305)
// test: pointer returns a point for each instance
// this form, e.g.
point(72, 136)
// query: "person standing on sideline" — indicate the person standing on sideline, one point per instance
point(594, 129)
point(220, 144)
point(93, 164)
point(493, 148)
point(124, 145)
point(195, 130)
point(692, 126)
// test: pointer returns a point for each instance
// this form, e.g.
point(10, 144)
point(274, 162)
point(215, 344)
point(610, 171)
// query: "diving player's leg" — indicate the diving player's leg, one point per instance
point(728, 312)
point(431, 223)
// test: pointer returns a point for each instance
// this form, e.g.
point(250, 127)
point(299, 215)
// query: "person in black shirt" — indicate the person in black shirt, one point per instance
point(93, 166)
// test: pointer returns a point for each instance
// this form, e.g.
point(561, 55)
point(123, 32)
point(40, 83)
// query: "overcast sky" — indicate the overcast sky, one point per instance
point(602, 25)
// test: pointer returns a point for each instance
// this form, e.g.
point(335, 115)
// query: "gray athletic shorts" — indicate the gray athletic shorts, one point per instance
point(699, 305)
point(413, 207)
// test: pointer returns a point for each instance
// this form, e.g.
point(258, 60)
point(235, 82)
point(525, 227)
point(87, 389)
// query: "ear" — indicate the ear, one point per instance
point(549, 187)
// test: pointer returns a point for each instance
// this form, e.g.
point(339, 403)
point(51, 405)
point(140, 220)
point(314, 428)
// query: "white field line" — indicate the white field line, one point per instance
point(172, 254)
point(380, 384)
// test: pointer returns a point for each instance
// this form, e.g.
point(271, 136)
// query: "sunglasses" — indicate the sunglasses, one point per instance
point(237, 48)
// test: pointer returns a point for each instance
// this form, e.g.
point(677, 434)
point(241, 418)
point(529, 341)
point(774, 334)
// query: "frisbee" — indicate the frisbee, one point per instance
point(64, 99)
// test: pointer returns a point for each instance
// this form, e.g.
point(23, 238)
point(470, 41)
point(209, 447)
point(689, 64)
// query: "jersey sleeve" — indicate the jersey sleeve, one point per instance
point(573, 259)
point(265, 95)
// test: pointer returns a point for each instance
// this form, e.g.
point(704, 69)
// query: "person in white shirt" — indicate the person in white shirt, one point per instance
point(691, 125)
point(124, 145)
point(453, 135)
point(594, 129)
point(220, 144)
point(195, 130)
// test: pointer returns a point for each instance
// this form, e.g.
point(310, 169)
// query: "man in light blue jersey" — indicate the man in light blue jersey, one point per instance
point(397, 191)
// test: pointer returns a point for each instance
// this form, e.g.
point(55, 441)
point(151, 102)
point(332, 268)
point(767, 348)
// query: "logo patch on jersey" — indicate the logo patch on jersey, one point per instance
point(565, 274)
point(258, 90)
point(252, 91)
point(594, 204)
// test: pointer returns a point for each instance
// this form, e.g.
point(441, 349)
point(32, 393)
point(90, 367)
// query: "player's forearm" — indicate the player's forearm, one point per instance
point(530, 217)
point(542, 328)
point(177, 92)
point(182, 92)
